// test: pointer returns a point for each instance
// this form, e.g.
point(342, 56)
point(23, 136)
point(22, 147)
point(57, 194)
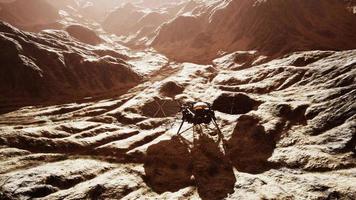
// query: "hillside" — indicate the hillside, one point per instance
point(272, 27)
point(51, 65)
point(31, 15)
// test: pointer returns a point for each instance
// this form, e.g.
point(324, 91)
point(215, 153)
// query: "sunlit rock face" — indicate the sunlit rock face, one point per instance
point(89, 9)
point(122, 19)
point(157, 3)
point(52, 65)
point(36, 15)
point(31, 15)
point(273, 27)
point(138, 23)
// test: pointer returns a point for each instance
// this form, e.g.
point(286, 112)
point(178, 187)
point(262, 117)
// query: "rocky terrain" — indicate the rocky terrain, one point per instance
point(31, 15)
point(52, 64)
point(284, 27)
point(138, 24)
point(83, 117)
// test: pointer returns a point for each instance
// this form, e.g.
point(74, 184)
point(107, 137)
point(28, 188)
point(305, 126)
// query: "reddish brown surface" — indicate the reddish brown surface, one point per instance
point(82, 121)
point(273, 27)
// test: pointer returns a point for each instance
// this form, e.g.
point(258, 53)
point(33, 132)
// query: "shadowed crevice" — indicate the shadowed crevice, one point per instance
point(168, 166)
point(250, 146)
point(213, 172)
point(237, 103)
point(171, 165)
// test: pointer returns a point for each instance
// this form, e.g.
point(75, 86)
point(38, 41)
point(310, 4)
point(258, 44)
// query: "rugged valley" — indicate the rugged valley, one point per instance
point(90, 109)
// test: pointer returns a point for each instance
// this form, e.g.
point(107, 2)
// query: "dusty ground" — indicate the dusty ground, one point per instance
point(288, 125)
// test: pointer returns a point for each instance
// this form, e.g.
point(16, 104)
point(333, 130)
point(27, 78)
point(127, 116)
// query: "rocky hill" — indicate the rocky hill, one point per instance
point(273, 27)
point(52, 65)
point(31, 15)
point(138, 25)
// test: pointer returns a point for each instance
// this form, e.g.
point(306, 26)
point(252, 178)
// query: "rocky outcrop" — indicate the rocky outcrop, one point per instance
point(51, 65)
point(272, 27)
point(84, 34)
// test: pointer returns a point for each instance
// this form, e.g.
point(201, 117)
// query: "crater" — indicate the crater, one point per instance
point(235, 103)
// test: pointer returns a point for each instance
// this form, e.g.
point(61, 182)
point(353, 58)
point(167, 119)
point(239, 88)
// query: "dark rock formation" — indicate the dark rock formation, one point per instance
point(237, 103)
point(84, 34)
point(171, 89)
point(50, 65)
point(168, 166)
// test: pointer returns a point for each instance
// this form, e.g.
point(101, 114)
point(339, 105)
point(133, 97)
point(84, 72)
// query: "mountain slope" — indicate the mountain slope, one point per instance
point(273, 27)
point(137, 25)
point(32, 15)
point(51, 65)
